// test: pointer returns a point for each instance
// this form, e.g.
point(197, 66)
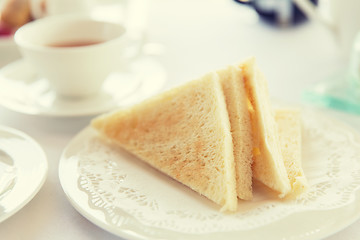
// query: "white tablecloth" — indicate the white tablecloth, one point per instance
point(197, 36)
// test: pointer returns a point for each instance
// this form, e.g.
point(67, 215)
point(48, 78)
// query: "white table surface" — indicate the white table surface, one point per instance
point(198, 36)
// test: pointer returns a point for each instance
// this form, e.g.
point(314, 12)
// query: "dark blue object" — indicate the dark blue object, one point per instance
point(277, 12)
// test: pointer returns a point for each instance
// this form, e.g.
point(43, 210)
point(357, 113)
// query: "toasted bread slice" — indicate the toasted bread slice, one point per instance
point(289, 126)
point(183, 132)
point(268, 166)
point(232, 82)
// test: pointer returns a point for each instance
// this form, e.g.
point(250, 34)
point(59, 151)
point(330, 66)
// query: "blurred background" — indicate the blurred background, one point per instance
point(191, 38)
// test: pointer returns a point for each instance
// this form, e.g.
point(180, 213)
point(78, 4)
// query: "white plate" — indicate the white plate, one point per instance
point(23, 90)
point(125, 196)
point(23, 170)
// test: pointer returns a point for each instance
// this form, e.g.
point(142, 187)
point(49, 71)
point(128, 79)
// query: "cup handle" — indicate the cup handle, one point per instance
point(135, 23)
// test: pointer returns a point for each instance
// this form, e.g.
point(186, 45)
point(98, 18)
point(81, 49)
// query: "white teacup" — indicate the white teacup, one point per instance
point(343, 19)
point(75, 53)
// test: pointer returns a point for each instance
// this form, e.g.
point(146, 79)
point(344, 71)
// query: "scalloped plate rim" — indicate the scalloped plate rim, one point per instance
point(338, 221)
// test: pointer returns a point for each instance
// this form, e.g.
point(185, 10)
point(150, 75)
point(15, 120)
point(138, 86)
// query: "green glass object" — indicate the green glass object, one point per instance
point(342, 90)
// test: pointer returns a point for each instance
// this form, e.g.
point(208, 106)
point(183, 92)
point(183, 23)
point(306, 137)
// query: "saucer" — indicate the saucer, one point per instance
point(24, 90)
point(22, 173)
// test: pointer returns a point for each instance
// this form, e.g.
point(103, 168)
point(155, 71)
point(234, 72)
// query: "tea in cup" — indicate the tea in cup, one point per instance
point(75, 53)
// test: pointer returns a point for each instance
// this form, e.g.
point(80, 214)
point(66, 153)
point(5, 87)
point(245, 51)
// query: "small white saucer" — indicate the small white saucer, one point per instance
point(22, 173)
point(24, 90)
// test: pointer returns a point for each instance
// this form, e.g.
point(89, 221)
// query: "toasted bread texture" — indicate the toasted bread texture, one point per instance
point(268, 166)
point(184, 133)
point(289, 126)
point(232, 82)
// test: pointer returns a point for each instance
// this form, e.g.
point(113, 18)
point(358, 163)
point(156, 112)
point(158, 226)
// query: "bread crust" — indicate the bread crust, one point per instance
point(232, 81)
point(268, 166)
point(289, 127)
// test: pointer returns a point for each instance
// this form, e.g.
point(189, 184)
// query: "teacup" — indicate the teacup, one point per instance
point(343, 19)
point(75, 53)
